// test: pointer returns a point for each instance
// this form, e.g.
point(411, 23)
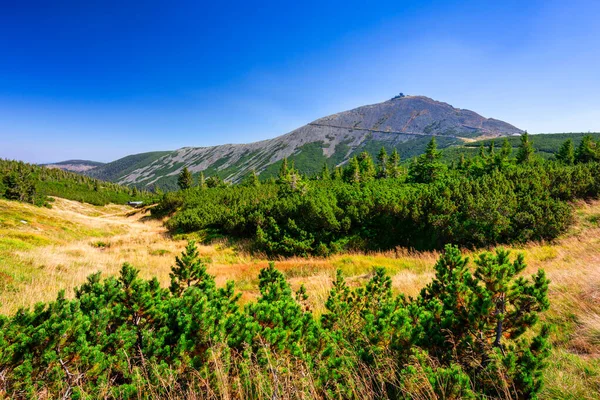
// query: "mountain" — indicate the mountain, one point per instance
point(75, 165)
point(406, 123)
point(114, 170)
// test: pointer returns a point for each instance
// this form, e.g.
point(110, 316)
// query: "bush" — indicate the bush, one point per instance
point(471, 333)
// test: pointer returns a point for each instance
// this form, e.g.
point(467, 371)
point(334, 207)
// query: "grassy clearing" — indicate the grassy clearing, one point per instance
point(45, 250)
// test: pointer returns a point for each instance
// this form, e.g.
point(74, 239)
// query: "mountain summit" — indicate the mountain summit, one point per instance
point(404, 122)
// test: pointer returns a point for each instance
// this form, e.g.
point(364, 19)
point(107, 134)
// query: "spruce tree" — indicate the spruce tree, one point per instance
point(525, 152)
point(338, 173)
point(566, 153)
point(506, 149)
point(252, 179)
point(367, 168)
point(185, 179)
point(394, 165)
point(428, 167)
point(382, 163)
point(201, 181)
point(325, 174)
point(587, 151)
point(352, 171)
point(283, 170)
point(19, 185)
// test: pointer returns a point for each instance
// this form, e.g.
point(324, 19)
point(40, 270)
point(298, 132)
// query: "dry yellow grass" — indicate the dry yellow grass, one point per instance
point(43, 251)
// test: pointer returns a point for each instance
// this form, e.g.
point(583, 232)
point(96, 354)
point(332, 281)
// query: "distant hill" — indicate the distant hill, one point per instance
point(114, 171)
point(75, 165)
point(406, 123)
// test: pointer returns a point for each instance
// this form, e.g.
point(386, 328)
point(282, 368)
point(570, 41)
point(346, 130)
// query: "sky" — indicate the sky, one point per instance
point(100, 80)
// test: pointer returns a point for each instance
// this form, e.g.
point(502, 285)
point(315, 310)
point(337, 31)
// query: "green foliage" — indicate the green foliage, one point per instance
point(123, 166)
point(124, 335)
point(427, 167)
point(478, 320)
point(566, 153)
point(185, 180)
point(525, 152)
point(481, 201)
point(34, 184)
point(587, 151)
point(189, 270)
point(19, 185)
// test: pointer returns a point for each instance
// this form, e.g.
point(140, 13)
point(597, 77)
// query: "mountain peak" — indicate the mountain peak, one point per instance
point(405, 123)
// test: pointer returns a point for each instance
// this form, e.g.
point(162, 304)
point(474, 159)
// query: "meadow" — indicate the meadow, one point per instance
point(45, 250)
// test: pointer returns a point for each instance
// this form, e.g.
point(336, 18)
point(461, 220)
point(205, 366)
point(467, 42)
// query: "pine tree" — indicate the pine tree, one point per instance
point(485, 315)
point(491, 149)
point(325, 174)
point(367, 168)
point(185, 179)
point(382, 163)
point(394, 165)
point(189, 270)
point(214, 181)
point(283, 170)
point(587, 151)
point(20, 186)
point(525, 152)
point(352, 171)
point(506, 149)
point(566, 153)
point(338, 173)
point(482, 154)
point(292, 181)
point(252, 179)
point(427, 167)
point(201, 181)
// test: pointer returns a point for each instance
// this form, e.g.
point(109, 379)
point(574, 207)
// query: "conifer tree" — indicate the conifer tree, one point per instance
point(525, 152)
point(462, 162)
point(482, 154)
point(201, 181)
point(491, 149)
point(506, 149)
point(338, 173)
point(394, 165)
point(382, 163)
point(587, 151)
point(185, 179)
point(427, 167)
point(252, 179)
point(367, 168)
point(484, 315)
point(189, 270)
point(20, 185)
point(352, 171)
point(566, 153)
point(292, 181)
point(325, 174)
point(284, 169)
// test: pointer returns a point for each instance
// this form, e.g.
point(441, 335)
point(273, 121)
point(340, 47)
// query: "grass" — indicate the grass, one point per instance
point(45, 250)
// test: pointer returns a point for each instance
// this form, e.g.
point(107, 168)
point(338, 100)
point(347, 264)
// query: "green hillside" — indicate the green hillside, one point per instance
point(113, 171)
point(35, 184)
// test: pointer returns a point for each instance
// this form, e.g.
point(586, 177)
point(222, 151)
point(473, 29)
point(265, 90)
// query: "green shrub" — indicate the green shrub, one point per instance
point(471, 333)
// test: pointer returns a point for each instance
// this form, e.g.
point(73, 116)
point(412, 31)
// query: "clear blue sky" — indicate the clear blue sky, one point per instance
point(102, 79)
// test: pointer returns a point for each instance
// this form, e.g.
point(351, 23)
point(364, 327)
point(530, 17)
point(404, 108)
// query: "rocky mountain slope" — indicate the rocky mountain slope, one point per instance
point(404, 122)
point(75, 165)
